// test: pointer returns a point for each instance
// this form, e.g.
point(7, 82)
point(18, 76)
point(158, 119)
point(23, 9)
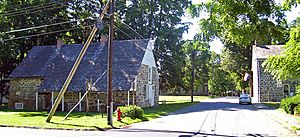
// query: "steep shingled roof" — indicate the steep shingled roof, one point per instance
point(54, 65)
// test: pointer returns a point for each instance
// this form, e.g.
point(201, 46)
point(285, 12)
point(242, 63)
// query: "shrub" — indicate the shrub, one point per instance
point(288, 104)
point(133, 112)
point(297, 110)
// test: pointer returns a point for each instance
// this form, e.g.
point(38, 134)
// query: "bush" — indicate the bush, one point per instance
point(133, 112)
point(297, 110)
point(288, 104)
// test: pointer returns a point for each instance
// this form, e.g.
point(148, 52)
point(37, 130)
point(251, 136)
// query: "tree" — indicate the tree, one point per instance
point(200, 49)
point(241, 24)
point(287, 64)
point(160, 19)
point(219, 79)
point(23, 14)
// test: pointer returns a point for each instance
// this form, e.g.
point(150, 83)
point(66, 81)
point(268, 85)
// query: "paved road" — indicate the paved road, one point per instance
point(215, 117)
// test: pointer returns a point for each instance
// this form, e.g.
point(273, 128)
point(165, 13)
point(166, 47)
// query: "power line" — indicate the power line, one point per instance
point(54, 7)
point(124, 32)
point(40, 34)
point(29, 10)
point(144, 38)
point(25, 8)
point(128, 26)
point(42, 26)
point(168, 60)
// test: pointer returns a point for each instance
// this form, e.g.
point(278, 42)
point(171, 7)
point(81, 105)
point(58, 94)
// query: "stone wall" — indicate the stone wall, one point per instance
point(141, 85)
point(267, 86)
point(23, 90)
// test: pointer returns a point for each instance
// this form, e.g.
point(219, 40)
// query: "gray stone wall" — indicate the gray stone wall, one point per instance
point(267, 86)
point(142, 81)
point(155, 82)
point(23, 90)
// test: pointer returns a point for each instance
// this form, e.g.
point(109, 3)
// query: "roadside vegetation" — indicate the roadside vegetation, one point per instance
point(92, 121)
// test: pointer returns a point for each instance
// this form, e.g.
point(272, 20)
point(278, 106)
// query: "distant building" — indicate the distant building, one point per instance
point(265, 87)
point(37, 80)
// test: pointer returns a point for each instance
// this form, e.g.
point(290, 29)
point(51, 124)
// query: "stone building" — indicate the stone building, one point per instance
point(265, 87)
point(37, 80)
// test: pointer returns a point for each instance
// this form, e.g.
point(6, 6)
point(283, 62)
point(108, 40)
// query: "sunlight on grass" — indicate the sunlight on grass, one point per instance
point(94, 121)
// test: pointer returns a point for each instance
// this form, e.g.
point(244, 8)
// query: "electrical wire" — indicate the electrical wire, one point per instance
point(43, 26)
point(46, 33)
point(128, 26)
point(168, 60)
point(40, 10)
point(25, 8)
point(29, 10)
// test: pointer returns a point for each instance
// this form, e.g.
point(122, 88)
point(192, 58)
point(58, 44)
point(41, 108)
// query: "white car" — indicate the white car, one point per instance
point(245, 98)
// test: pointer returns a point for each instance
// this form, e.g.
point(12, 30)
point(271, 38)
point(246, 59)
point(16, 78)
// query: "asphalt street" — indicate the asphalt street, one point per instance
point(214, 117)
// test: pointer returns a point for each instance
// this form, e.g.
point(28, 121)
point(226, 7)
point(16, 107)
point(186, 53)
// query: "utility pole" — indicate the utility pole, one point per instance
point(109, 64)
point(193, 75)
point(75, 66)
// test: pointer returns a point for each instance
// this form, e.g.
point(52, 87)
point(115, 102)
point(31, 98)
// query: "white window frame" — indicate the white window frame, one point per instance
point(147, 92)
point(279, 83)
point(19, 104)
point(150, 75)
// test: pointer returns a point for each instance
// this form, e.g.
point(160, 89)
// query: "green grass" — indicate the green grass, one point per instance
point(275, 105)
point(94, 121)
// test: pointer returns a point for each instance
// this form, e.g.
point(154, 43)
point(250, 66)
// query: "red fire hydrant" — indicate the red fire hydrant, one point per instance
point(119, 114)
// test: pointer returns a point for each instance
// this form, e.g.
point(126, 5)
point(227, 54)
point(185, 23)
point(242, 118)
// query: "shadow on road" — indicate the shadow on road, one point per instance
point(171, 131)
point(187, 133)
point(209, 106)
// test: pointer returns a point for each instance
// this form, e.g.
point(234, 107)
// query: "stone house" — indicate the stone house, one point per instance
point(265, 87)
point(37, 80)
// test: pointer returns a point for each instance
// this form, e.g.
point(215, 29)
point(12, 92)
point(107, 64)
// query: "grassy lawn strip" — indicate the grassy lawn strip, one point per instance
point(93, 121)
point(275, 105)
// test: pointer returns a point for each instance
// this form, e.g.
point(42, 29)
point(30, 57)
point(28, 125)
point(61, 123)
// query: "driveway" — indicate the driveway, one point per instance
point(214, 117)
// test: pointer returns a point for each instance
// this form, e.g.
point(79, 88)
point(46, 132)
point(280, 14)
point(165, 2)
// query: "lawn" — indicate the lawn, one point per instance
point(92, 121)
point(272, 104)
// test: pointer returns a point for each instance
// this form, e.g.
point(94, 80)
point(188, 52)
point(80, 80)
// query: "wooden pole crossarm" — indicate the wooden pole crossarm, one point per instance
point(75, 66)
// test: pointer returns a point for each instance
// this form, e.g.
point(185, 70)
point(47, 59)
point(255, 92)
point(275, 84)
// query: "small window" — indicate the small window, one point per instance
point(150, 75)
point(279, 83)
point(18, 105)
point(286, 89)
point(147, 92)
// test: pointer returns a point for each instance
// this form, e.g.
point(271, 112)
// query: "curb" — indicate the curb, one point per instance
point(279, 120)
point(71, 129)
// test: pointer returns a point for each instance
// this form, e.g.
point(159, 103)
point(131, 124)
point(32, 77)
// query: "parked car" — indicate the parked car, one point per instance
point(245, 99)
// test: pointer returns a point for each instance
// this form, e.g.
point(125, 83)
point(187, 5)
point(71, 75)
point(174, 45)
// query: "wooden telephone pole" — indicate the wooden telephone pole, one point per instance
point(109, 64)
point(75, 66)
point(193, 75)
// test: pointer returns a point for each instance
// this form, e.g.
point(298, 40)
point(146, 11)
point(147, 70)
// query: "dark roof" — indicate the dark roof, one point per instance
point(54, 65)
point(264, 51)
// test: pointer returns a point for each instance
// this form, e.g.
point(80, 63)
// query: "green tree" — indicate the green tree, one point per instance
point(287, 64)
point(200, 50)
point(160, 19)
point(241, 24)
point(219, 79)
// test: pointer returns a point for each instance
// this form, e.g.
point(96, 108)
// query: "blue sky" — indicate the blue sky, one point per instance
point(217, 45)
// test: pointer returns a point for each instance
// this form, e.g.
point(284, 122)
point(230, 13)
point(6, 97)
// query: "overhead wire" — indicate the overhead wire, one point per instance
point(29, 10)
point(25, 8)
point(46, 33)
point(43, 26)
point(144, 38)
point(168, 60)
